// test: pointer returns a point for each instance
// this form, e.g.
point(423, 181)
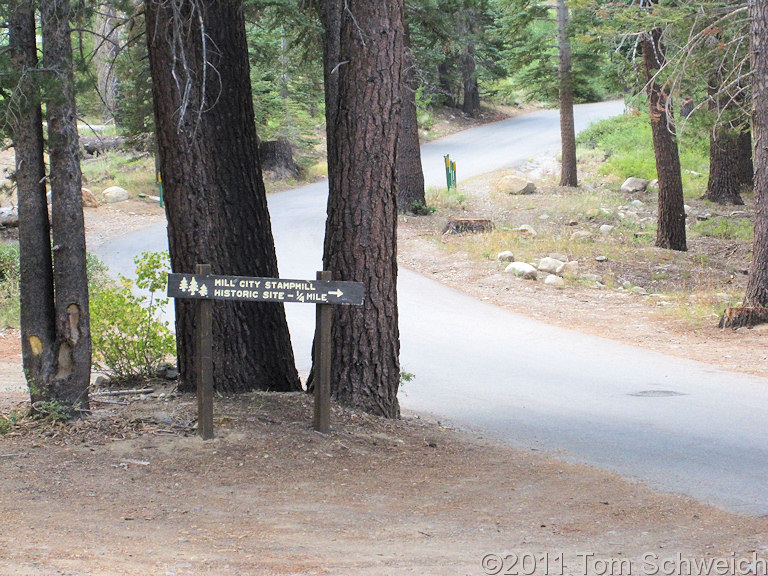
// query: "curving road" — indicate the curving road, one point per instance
point(678, 425)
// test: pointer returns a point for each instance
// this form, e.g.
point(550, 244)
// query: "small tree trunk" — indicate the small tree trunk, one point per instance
point(447, 81)
point(757, 284)
point(410, 175)
point(73, 334)
point(671, 220)
point(471, 102)
point(746, 170)
point(38, 315)
point(568, 172)
point(107, 50)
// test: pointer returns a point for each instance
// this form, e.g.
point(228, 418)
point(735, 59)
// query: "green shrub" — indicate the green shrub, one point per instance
point(10, 310)
point(725, 229)
point(129, 338)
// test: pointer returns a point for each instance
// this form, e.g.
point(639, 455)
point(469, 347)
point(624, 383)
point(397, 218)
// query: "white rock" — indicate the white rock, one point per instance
point(550, 265)
point(511, 184)
point(570, 268)
point(115, 194)
point(592, 278)
point(526, 230)
point(581, 235)
point(522, 270)
point(505, 256)
point(555, 281)
point(637, 203)
point(606, 229)
point(634, 185)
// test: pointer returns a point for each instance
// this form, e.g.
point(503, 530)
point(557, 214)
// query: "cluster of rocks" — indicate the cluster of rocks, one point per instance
point(555, 267)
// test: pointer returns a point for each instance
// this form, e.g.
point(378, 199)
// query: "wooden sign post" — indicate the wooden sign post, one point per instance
point(205, 287)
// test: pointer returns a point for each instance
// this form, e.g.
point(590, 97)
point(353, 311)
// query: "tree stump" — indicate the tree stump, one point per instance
point(467, 225)
point(277, 158)
point(743, 317)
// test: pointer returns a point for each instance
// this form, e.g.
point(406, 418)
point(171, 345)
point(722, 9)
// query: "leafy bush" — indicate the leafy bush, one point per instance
point(129, 338)
point(9, 285)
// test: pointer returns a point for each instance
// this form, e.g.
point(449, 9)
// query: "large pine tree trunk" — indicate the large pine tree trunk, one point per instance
point(568, 172)
point(724, 182)
point(757, 285)
point(725, 143)
point(38, 316)
point(410, 175)
point(360, 242)
point(70, 383)
point(213, 189)
point(671, 220)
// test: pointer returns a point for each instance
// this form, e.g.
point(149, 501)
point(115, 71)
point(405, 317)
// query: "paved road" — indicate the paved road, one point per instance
point(678, 425)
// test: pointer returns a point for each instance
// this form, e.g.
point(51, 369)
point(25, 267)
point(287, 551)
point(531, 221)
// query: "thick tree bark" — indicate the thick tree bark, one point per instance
point(757, 285)
point(671, 220)
point(724, 182)
point(38, 316)
point(746, 169)
point(360, 243)
point(213, 189)
point(568, 170)
point(410, 175)
point(73, 334)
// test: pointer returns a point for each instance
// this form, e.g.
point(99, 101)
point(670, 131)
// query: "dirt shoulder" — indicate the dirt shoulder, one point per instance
point(128, 491)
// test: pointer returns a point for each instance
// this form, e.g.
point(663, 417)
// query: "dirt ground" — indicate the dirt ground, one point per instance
point(130, 490)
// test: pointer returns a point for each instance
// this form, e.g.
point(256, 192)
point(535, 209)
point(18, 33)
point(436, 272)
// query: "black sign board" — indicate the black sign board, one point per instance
point(210, 287)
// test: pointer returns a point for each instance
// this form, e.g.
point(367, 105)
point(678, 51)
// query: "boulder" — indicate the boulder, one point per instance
point(115, 194)
point(505, 256)
point(606, 229)
point(522, 270)
point(581, 235)
point(89, 199)
point(554, 281)
point(551, 265)
point(634, 185)
point(570, 269)
point(511, 184)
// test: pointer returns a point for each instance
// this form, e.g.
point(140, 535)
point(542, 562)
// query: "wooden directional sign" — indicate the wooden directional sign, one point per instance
point(210, 287)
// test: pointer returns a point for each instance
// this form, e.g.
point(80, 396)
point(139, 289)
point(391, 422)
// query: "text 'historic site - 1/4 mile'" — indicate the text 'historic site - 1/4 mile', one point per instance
point(264, 289)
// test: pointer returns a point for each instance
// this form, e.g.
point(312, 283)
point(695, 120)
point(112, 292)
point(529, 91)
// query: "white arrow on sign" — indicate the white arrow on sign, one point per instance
point(338, 293)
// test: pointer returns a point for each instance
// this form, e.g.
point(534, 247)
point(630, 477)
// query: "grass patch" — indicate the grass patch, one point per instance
point(134, 173)
point(725, 228)
point(443, 199)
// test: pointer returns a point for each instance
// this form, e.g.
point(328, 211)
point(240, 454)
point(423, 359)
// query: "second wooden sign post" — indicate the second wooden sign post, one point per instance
point(205, 287)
